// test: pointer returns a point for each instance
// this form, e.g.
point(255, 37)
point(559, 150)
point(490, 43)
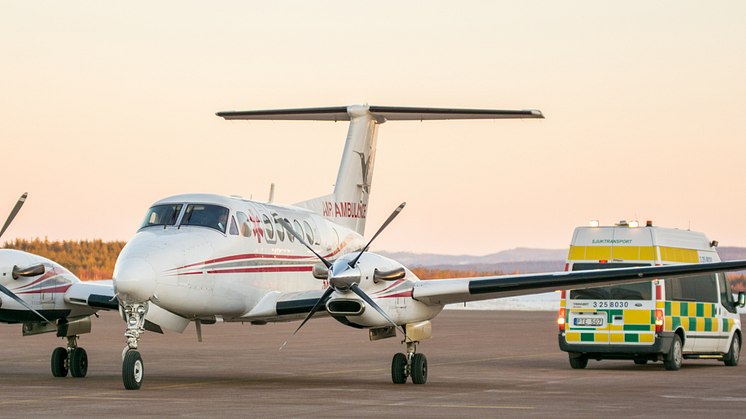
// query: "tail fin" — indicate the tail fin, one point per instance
point(348, 204)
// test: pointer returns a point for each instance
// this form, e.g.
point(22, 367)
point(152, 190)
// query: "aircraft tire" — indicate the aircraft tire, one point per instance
point(419, 369)
point(578, 363)
point(133, 370)
point(675, 357)
point(731, 358)
point(78, 363)
point(398, 367)
point(59, 356)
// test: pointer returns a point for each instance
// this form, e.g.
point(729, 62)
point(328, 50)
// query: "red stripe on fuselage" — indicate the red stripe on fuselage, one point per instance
point(53, 290)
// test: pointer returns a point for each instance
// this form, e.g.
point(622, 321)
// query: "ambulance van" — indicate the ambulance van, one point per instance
point(662, 320)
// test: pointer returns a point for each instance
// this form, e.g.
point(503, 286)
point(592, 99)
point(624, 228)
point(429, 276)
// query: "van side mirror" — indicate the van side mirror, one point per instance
point(741, 299)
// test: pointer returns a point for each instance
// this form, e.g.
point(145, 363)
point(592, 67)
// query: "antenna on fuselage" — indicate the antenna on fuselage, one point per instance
point(271, 193)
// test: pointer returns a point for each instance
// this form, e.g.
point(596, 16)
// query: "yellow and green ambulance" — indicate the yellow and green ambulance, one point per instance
point(662, 320)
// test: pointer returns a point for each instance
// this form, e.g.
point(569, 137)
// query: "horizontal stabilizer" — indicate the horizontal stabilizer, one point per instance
point(389, 113)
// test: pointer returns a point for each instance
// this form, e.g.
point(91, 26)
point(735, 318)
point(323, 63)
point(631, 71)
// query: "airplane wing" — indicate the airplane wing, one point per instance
point(285, 306)
point(459, 290)
point(95, 294)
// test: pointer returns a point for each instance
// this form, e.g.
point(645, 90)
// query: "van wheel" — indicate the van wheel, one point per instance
point(641, 361)
point(675, 355)
point(578, 363)
point(731, 358)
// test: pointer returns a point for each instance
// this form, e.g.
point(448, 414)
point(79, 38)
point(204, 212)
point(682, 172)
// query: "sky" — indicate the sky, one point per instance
point(106, 107)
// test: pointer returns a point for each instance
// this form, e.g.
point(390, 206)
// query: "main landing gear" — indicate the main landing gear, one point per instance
point(410, 364)
point(71, 359)
point(132, 365)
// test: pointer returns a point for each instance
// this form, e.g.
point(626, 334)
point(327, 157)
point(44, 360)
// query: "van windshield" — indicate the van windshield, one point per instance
point(635, 291)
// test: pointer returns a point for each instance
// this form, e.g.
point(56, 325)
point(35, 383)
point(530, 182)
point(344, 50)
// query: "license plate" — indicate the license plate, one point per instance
point(588, 322)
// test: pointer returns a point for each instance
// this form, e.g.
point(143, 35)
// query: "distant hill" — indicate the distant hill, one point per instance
point(520, 254)
point(732, 253)
point(521, 260)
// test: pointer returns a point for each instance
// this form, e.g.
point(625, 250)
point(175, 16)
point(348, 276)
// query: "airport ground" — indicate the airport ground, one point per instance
point(481, 363)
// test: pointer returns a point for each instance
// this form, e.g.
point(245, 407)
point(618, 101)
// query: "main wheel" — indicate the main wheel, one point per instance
point(731, 358)
point(398, 369)
point(578, 363)
point(675, 355)
point(132, 370)
point(419, 369)
point(59, 356)
point(78, 362)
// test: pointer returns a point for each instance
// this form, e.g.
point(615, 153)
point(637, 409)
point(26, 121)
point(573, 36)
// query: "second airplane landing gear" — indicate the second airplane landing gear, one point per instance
point(132, 365)
point(71, 359)
point(410, 364)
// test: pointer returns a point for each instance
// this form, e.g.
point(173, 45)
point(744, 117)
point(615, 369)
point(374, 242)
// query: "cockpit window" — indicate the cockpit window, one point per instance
point(205, 215)
point(162, 215)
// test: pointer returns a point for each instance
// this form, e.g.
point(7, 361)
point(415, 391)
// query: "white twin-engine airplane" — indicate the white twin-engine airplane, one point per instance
point(45, 298)
point(204, 258)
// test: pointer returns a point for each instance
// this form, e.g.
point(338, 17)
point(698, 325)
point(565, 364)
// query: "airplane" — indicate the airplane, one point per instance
point(205, 258)
point(45, 297)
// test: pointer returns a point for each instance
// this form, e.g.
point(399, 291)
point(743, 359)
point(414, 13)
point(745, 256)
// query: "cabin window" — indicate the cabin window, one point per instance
point(268, 227)
point(234, 227)
point(162, 215)
point(290, 236)
point(297, 227)
point(243, 222)
point(206, 215)
point(280, 231)
point(309, 232)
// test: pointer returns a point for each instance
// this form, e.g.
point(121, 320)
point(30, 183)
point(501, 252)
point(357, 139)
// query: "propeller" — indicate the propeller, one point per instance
point(345, 280)
point(13, 212)
point(30, 271)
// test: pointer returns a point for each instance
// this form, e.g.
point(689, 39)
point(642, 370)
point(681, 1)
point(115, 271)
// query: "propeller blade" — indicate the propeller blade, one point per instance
point(10, 294)
point(385, 224)
point(370, 302)
point(300, 239)
point(313, 311)
point(14, 212)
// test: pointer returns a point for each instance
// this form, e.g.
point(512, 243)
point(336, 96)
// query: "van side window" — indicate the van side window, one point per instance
point(700, 288)
point(726, 294)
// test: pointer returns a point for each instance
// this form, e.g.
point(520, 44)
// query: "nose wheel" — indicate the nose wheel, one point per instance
point(133, 370)
point(410, 364)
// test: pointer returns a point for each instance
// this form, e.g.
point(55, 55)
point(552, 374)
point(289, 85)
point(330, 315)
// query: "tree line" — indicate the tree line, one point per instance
point(86, 259)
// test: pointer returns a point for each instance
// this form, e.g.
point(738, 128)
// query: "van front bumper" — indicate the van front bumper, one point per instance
point(661, 345)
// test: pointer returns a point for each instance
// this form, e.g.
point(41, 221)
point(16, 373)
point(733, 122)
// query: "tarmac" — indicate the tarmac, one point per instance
point(481, 363)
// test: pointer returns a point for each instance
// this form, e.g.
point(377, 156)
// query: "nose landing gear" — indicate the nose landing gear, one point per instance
point(132, 365)
point(410, 364)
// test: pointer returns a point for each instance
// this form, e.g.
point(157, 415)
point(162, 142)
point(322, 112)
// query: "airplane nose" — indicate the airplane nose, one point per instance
point(134, 280)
